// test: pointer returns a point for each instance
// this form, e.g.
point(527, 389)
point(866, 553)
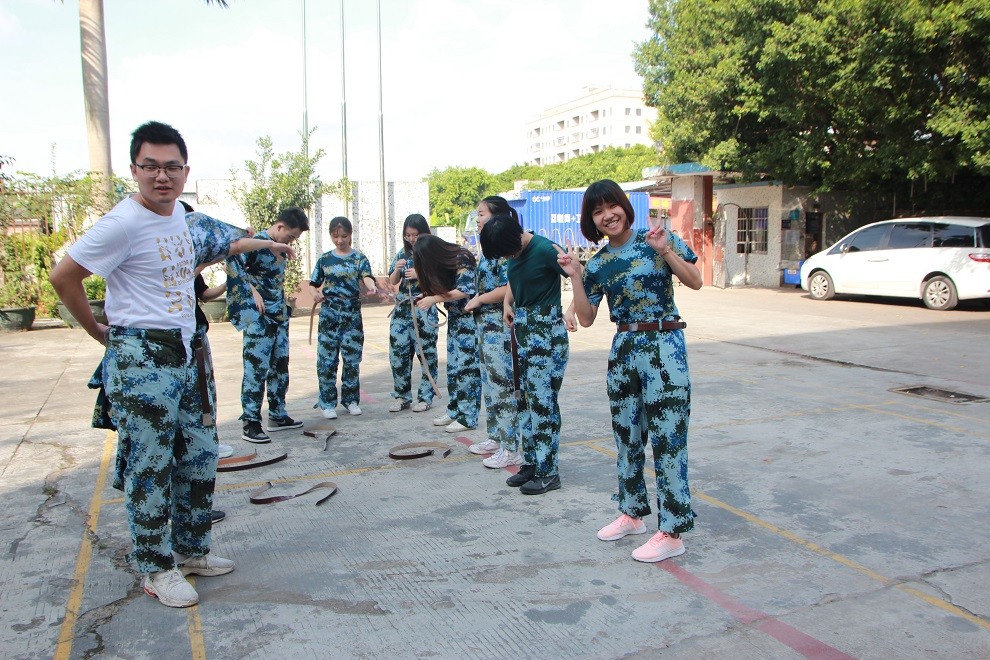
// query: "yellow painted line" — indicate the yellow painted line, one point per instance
point(197, 645)
point(65, 634)
point(376, 346)
point(822, 551)
point(920, 420)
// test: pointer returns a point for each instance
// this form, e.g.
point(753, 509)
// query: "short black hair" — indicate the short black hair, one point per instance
point(601, 192)
point(155, 132)
point(501, 237)
point(498, 205)
point(293, 217)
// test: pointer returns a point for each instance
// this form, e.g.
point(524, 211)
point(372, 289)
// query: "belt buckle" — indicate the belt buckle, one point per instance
point(633, 327)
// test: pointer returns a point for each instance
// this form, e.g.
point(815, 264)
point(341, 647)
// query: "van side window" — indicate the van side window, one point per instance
point(954, 236)
point(871, 238)
point(910, 235)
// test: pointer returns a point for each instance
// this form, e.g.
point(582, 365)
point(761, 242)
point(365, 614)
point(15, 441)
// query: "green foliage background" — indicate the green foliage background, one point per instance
point(456, 191)
point(865, 95)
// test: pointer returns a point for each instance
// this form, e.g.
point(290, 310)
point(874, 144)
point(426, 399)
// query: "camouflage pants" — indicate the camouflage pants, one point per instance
point(501, 409)
point(649, 391)
point(341, 339)
point(463, 374)
point(543, 353)
point(266, 365)
point(153, 387)
point(402, 351)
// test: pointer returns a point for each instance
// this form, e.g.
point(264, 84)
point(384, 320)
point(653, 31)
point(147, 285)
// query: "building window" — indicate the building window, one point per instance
point(628, 129)
point(639, 112)
point(639, 129)
point(628, 111)
point(751, 230)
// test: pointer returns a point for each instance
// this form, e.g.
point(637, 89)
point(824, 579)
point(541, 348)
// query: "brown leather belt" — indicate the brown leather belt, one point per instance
point(325, 432)
point(425, 449)
point(246, 462)
point(517, 392)
point(281, 498)
point(648, 327)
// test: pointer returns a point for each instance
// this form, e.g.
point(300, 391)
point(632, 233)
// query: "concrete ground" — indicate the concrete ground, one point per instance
point(836, 517)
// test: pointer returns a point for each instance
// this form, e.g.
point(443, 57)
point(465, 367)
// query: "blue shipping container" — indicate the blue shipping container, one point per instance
point(556, 214)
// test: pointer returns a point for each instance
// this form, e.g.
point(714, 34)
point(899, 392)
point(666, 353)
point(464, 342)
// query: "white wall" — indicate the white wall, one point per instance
point(753, 269)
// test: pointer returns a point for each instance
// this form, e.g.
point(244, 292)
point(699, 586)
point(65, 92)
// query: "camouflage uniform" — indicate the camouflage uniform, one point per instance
point(543, 347)
point(266, 336)
point(501, 410)
point(341, 334)
point(402, 339)
point(649, 388)
point(151, 379)
point(463, 374)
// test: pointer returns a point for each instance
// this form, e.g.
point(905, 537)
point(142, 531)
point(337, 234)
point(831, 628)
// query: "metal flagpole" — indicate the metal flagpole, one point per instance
point(381, 144)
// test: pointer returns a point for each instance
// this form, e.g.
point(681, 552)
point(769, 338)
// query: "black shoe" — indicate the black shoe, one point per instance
point(217, 516)
point(254, 433)
point(283, 424)
point(526, 472)
point(540, 485)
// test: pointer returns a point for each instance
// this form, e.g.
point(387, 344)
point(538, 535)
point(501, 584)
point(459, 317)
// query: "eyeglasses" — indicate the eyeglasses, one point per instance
point(171, 171)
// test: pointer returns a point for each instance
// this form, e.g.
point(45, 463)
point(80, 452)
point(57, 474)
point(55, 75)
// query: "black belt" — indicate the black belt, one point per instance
point(204, 391)
point(247, 461)
point(648, 327)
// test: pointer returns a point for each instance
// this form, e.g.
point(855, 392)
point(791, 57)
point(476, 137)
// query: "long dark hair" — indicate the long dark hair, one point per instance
point(417, 222)
point(437, 262)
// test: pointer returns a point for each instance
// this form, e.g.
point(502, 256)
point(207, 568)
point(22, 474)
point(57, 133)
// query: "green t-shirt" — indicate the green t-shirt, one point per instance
point(534, 276)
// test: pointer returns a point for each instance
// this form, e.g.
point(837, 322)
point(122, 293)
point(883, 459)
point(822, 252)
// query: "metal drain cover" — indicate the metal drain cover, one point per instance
point(937, 394)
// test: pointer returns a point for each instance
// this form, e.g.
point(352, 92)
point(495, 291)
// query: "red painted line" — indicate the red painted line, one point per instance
point(804, 644)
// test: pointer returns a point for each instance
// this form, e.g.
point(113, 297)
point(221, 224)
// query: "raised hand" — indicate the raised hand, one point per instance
point(569, 262)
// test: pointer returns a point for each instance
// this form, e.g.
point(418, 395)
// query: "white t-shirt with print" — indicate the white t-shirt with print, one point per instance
point(148, 262)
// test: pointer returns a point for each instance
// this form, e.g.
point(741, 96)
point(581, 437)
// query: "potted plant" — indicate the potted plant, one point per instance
point(96, 293)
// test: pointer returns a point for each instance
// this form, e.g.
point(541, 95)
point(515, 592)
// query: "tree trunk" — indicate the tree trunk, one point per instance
point(95, 89)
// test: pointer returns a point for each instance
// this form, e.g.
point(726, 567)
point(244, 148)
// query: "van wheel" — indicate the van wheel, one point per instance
point(939, 293)
point(820, 286)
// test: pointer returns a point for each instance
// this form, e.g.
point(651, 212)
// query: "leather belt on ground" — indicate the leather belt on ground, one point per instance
point(255, 499)
point(648, 327)
point(424, 449)
point(204, 390)
point(247, 461)
point(326, 433)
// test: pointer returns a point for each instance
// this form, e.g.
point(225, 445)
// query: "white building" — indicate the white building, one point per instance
point(603, 117)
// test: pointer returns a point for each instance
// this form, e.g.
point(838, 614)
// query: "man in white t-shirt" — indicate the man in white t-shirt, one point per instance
point(144, 250)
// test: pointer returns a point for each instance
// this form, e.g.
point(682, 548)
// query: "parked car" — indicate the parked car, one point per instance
point(940, 260)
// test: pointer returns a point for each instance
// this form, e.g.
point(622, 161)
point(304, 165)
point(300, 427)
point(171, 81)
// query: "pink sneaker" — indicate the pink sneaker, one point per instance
point(660, 546)
point(623, 526)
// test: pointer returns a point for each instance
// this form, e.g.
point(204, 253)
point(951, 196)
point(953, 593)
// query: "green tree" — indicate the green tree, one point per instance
point(836, 93)
point(455, 191)
point(277, 181)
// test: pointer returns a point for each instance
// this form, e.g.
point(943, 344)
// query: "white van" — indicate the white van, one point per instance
point(941, 260)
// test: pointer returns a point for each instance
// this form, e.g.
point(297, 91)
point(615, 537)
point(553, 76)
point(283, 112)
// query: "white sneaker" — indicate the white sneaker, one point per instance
point(223, 451)
point(502, 458)
point(398, 404)
point(353, 408)
point(206, 565)
point(329, 413)
point(422, 406)
point(442, 420)
point(456, 427)
point(170, 588)
point(486, 447)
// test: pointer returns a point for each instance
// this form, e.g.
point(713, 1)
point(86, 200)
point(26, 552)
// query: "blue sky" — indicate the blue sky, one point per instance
point(461, 77)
